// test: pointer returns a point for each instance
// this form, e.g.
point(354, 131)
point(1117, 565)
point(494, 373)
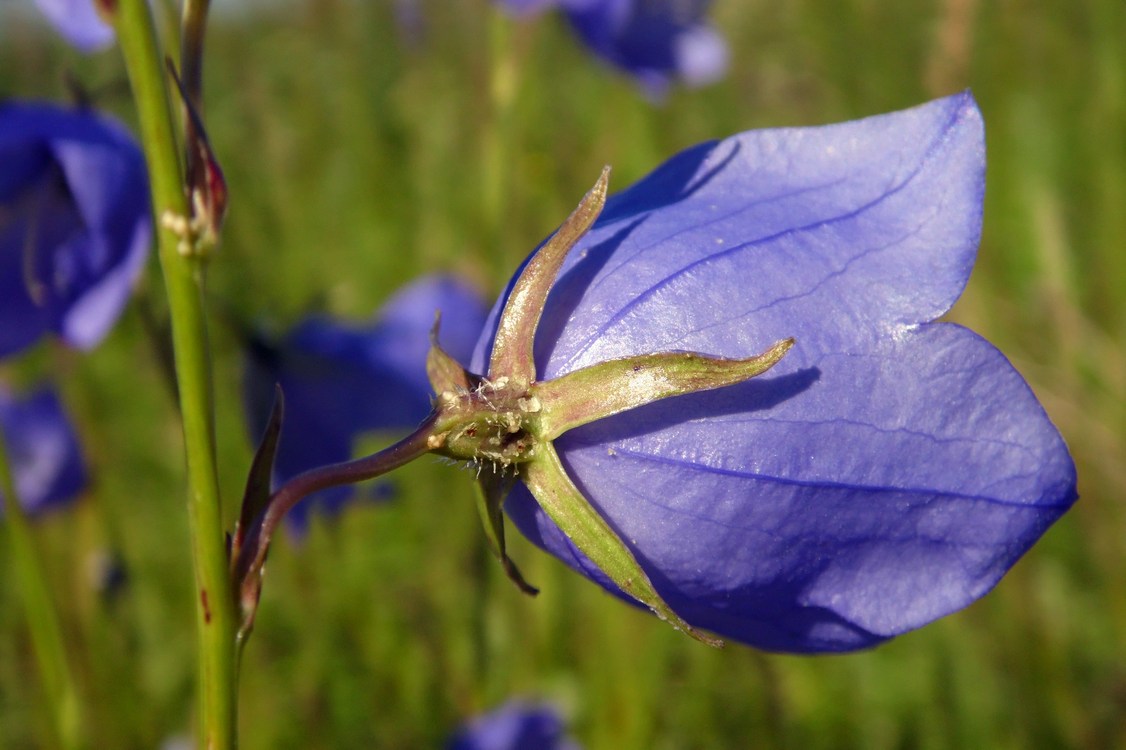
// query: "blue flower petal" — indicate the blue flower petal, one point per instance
point(341, 380)
point(888, 471)
point(43, 450)
point(78, 22)
point(76, 228)
point(656, 41)
point(517, 725)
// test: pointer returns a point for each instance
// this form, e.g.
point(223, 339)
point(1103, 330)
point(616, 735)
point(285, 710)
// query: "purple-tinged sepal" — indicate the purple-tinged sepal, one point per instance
point(205, 185)
point(492, 488)
point(516, 329)
point(451, 383)
point(607, 388)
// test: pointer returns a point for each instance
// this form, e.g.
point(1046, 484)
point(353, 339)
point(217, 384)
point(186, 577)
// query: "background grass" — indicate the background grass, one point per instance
point(360, 155)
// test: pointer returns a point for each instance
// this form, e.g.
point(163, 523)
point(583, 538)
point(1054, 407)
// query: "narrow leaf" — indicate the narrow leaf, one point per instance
point(614, 386)
point(516, 330)
point(257, 494)
point(564, 503)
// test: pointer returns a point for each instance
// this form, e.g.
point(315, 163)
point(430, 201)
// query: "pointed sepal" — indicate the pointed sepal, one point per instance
point(445, 373)
point(553, 489)
point(492, 488)
point(516, 329)
point(614, 386)
point(205, 183)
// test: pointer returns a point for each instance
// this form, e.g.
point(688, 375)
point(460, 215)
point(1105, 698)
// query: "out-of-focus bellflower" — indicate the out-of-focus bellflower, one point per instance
point(75, 227)
point(656, 41)
point(43, 450)
point(883, 469)
point(341, 380)
point(78, 22)
point(517, 725)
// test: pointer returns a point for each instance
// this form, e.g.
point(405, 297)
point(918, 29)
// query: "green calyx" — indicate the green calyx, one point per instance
point(505, 423)
point(493, 423)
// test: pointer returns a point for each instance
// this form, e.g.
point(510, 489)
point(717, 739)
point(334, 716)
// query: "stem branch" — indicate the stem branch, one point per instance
point(252, 555)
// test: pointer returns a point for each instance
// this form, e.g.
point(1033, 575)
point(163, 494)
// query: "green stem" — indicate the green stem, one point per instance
point(183, 278)
point(503, 81)
point(42, 618)
point(252, 555)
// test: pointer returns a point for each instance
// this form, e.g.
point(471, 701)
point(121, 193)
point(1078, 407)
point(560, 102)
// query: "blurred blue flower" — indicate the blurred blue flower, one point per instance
point(656, 41)
point(341, 380)
point(889, 470)
point(43, 450)
point(78, 22)
point(517, 725)
point(74, 224)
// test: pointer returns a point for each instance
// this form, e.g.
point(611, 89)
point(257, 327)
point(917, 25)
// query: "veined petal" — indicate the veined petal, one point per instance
point(586, 528)
point(862, 495)
point(832, 235)
point(888, 470)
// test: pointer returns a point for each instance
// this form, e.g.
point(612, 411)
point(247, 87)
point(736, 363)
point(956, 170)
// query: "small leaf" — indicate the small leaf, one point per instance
point(611, 387)
point(256, 497)
point(516, 329)
point(491, 491)
point(564, 503)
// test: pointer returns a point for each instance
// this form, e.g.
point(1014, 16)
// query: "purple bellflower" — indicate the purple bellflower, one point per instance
point(74, 224)
point(888, 470)
point(517, 725)
point(868, 471)
point(341, 380)
point(78, 22)
point(43, 450)
point(656, 41)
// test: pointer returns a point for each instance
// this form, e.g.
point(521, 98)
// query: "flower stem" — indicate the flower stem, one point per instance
point(183, 278)
point(42, 618)
point(496, 133)
point(252, 554)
